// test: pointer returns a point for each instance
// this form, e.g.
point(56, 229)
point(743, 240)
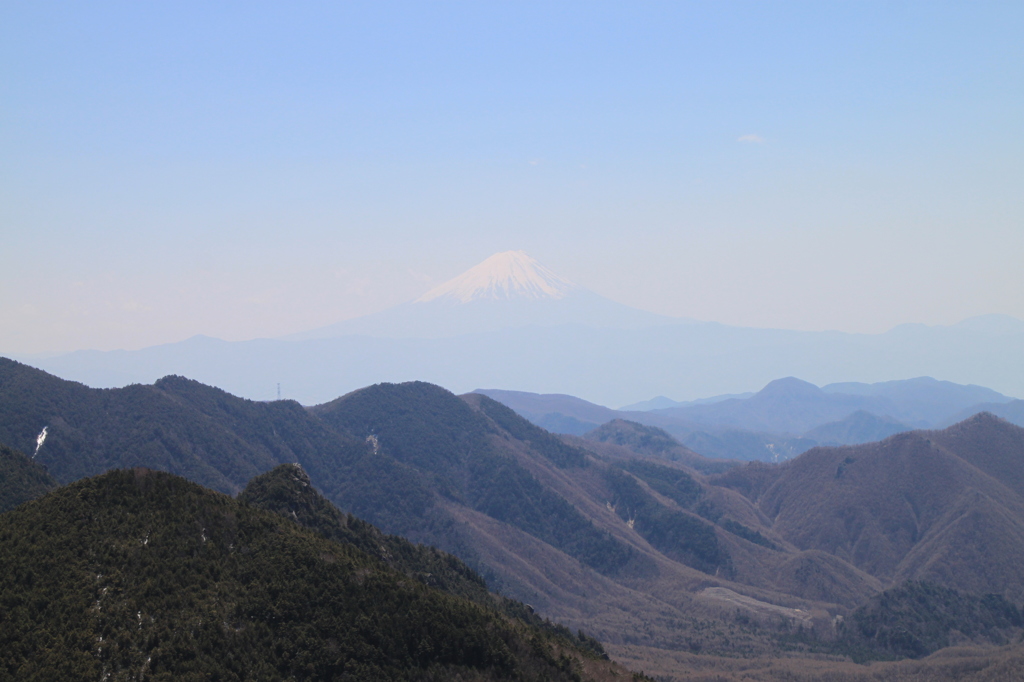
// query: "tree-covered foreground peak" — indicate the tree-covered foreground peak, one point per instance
point(137, 574)
point(287, 490)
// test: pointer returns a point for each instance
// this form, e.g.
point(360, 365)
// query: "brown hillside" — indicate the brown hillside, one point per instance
point(994, 445)
point(659, 600)
point(945, 506)
point(778, 571)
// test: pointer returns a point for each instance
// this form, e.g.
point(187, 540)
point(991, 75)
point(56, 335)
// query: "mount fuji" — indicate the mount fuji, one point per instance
point(508, 290)
point(505, 276)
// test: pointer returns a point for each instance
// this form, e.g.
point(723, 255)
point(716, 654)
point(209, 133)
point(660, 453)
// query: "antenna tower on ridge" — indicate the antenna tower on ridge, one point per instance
point(278, 390)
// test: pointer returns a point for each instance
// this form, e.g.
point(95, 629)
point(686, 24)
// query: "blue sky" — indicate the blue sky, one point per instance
point(258, 169)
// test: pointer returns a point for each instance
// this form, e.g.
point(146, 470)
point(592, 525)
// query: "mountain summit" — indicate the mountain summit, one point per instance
point(504, 276)
point(509, 290)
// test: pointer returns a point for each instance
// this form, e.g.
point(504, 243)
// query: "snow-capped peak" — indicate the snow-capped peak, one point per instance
point(503, 276)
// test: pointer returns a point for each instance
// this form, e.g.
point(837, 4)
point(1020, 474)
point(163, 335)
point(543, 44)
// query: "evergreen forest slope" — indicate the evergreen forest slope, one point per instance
point(287, 490)
point(140, 574)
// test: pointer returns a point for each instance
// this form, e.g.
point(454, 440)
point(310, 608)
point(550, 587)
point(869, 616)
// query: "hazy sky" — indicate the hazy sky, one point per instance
point(169, 169)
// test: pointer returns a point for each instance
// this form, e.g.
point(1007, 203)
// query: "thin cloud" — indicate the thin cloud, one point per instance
point(756, 139)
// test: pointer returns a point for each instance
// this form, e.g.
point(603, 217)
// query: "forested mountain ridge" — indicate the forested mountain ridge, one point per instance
point(531, 513)
point(144, 574)
point(176, 425)
point(611, 537)
point(288, 491)
point(918, 618)
point(449, 446)
point(479, 489)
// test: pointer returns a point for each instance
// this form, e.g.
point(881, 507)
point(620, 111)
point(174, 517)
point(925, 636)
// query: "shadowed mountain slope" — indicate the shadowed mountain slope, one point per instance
point(176, 425)
point(143, 574)
point(449, 450)
point(21, 479)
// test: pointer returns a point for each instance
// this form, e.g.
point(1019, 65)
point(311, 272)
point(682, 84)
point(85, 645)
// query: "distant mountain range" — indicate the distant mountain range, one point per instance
point(511, 322)
point(1012, 411)
point(661, 402)
point(785, 418)
point(624, 533)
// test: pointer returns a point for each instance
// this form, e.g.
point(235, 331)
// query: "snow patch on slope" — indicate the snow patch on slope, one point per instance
point(40, 439)
point(503, 276)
